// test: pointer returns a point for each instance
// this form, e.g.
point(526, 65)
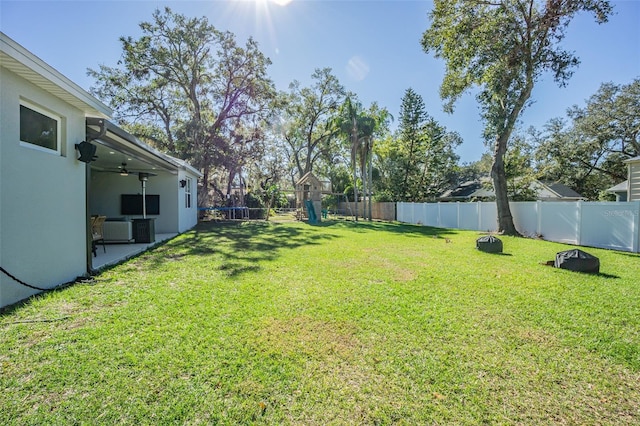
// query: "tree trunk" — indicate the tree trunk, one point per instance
point(354, 163)
point(505, 219)
point(355, 192)
point(370, 180)
point(204, 201)
point(365, 185)
point(269, 204)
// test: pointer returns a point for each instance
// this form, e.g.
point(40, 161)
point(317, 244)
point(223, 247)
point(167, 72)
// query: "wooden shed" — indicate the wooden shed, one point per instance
point(309, 188)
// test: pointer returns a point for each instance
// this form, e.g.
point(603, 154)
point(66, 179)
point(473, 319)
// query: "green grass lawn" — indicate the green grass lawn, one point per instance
point(340, 323)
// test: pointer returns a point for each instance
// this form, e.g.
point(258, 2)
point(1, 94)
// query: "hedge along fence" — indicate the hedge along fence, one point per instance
point(609, 225)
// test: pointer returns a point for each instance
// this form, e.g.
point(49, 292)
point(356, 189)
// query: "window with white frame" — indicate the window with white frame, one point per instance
point(39, 128)
point(187, 193)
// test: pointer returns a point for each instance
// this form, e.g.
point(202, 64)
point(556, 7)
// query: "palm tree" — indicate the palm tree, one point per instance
point(360, 126)
point(348, 124)
point(372, 122)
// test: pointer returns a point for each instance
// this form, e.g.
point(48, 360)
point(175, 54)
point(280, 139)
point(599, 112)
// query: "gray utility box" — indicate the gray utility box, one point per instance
point(144, 230)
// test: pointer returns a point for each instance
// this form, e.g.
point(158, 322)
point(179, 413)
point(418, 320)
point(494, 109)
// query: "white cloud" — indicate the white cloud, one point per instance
point(357, 68)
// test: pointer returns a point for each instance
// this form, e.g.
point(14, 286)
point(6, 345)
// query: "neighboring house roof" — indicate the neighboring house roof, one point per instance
point(563, 191)
point(462, 191)
point(20, 61)
point(633, 160)
point(544, 190)
point(621, 187)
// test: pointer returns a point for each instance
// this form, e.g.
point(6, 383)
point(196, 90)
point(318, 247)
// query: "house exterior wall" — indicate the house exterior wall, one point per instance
point(42, 195)
point(187, 216)
point(44, 206)
point(166, 185)
point(634, 181)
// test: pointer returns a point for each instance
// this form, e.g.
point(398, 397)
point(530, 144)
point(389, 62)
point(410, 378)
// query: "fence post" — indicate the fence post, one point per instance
point(539, 218)
point(636, 228)
point(579, 223)
point(479, 215)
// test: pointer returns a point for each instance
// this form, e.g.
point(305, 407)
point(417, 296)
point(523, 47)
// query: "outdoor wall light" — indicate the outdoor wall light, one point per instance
point(87, 152)
point(183, 183)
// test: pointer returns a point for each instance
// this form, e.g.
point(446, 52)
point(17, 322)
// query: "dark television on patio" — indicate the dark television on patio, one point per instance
point(131, 204)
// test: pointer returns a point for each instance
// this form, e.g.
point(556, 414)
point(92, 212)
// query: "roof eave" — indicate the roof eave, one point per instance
point(20, 61)
point(115, 137)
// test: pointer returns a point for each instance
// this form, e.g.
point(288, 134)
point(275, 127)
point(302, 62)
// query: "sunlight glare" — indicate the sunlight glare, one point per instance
point(282, 2)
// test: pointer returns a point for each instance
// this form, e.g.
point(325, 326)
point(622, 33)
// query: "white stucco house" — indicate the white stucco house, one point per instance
point(48, 195)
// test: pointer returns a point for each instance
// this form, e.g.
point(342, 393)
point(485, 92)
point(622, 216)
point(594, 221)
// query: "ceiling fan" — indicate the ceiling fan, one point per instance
point(122, 169)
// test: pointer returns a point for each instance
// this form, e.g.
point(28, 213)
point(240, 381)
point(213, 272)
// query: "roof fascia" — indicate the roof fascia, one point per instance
point(28, 64)
point(115, 137)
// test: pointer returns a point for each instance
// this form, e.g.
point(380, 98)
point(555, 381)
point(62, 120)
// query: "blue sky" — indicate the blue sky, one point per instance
point(372, 46)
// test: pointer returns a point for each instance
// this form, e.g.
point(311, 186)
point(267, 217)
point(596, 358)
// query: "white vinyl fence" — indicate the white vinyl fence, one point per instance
point(607, 225)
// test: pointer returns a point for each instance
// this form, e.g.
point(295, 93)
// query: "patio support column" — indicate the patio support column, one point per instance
point(89, 231)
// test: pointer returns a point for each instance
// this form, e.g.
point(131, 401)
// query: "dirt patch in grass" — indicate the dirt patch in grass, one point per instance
point(307, 336)
point(381, 264)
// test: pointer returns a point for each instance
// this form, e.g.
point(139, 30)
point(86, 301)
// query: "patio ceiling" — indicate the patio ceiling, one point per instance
point(114, 147)
point(110, 159)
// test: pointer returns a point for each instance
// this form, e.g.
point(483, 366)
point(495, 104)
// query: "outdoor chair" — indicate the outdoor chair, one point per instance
point(97, 233)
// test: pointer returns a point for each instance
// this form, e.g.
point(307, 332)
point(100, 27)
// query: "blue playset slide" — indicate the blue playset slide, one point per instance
point(311, 211)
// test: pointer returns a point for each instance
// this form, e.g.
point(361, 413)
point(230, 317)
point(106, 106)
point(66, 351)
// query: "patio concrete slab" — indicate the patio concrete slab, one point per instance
point(116, 253)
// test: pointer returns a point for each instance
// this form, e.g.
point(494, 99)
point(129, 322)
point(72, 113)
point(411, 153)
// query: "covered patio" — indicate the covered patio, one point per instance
point(144, 196)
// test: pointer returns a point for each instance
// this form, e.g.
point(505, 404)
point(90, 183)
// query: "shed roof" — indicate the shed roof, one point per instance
point(309, 176)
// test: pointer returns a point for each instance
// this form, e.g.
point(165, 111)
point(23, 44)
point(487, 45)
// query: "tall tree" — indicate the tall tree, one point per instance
point(586, 151)
point(413, 116)
point(182, 82)
point(351, 125)
point(504, 47)
point(360, 126)
point(611, 118)
point(308, 128)
point(518, 164)
point(376, 125)
point(438, 166)
point(419, 162)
